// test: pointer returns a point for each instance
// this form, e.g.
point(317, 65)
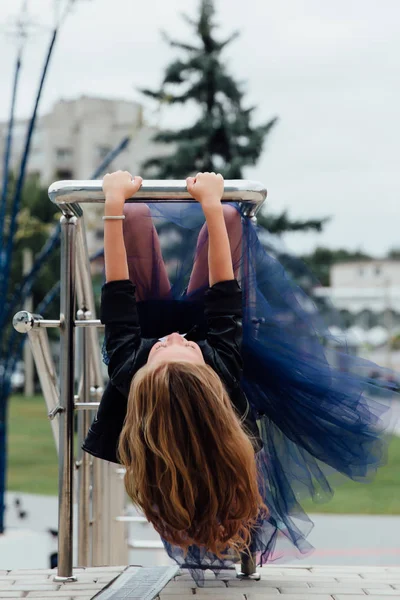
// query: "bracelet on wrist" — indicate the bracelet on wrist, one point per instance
point(113, 217)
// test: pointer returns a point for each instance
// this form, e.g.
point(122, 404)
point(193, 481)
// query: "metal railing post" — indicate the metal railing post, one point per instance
point(100, 519)
point(83, 462)
point(103, 482)
point(67, 383)
point(86, 302)
point(119, 550)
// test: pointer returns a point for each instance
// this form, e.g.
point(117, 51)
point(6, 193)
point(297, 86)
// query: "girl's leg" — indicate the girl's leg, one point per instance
point(199, 276)
point(146, 265)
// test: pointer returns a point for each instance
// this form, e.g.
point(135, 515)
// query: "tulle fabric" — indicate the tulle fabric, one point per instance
point(322, 412)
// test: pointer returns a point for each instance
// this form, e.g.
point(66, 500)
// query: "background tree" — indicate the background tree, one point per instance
point(394, 254)
point(223, 138)
point(278, 224)
point(322, 259)
point(36, 221)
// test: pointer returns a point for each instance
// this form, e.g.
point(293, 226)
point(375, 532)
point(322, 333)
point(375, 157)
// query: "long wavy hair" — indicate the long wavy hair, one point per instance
point(190, 466)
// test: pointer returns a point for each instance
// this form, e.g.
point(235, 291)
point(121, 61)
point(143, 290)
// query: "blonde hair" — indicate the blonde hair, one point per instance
point(190, 467)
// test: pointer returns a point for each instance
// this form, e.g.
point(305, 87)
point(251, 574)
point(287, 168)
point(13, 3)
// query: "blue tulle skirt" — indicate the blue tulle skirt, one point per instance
point(322, 413)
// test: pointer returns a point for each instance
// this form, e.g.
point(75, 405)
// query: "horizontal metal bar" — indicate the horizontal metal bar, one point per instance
point(47, 323)
point(132, 519)
point(24, 321)
point(87, 191)
point(86, 405)
point(146, 544)
point(57, 410)
point(89, 323)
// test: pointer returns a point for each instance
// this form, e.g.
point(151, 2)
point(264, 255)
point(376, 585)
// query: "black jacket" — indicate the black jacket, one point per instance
point(220, 343)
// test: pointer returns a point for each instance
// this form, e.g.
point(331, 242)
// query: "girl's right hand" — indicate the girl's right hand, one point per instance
point(120, 186)
point(206, 188)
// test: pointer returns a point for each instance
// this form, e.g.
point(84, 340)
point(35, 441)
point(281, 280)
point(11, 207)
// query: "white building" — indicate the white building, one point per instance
point(366, 290)
point(71, 140)
point(367, 295)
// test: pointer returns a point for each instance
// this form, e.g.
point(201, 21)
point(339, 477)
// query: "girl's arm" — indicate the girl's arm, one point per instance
point(207, 188)
point(117, 187)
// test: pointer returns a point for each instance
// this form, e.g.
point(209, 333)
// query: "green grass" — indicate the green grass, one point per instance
point(32, 457)
point(379, 497)
point(32, 466)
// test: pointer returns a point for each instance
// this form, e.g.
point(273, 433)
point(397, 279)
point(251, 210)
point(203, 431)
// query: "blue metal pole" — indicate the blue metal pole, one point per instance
point(110, 157)
point(7, 157)
point(4, 281)
point(4, 383)
point(21, 177)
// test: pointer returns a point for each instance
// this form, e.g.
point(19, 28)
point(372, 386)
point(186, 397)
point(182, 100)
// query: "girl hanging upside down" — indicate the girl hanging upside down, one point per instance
point(221, 404)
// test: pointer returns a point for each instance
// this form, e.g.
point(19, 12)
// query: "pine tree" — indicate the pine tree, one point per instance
point(278, 224)
point(223, 138)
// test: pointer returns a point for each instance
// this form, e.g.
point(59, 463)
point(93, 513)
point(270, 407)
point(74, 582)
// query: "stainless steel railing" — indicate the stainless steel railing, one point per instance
point(68, 194)
point(101, 534)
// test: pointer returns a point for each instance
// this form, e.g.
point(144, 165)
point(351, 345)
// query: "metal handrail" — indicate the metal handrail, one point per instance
point(24, 321)
point(69, 194)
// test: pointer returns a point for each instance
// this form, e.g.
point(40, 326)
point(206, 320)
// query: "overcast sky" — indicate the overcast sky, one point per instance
point(328, 70)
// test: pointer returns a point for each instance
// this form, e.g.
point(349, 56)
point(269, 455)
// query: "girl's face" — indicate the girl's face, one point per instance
point(174, 348)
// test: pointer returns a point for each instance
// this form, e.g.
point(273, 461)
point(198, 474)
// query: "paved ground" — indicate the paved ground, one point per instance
point(294, 583)
point(287, 583)
point(39, 584)
point(355, 540)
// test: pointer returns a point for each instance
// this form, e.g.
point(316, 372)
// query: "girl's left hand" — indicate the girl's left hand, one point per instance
point(206, 188)
point(120, 186)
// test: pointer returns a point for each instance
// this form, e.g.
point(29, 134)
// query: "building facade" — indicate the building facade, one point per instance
point(367, 293)
point(367, 296)
point(71, 140)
